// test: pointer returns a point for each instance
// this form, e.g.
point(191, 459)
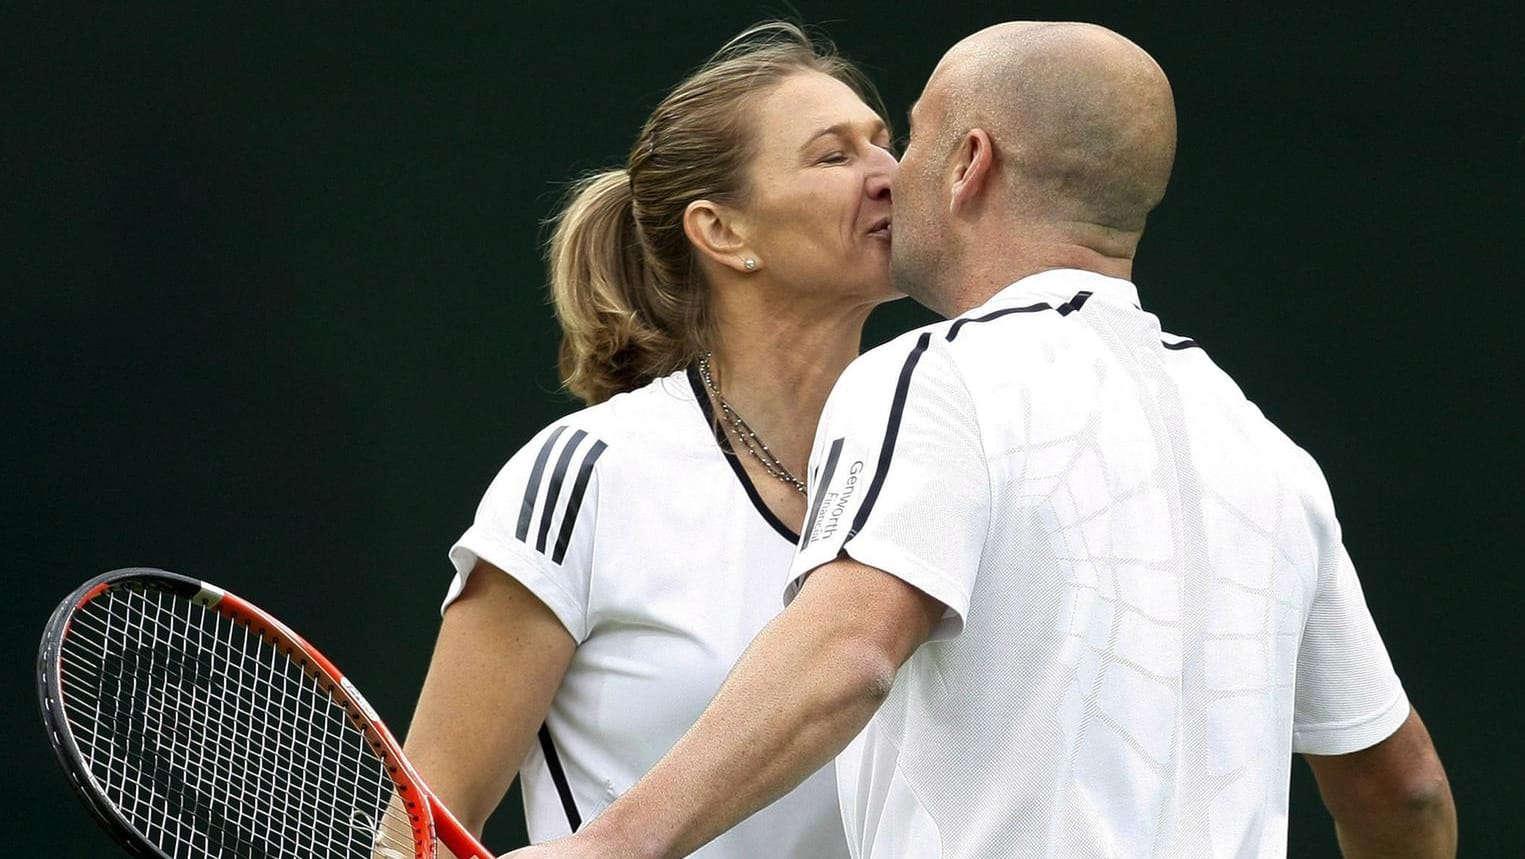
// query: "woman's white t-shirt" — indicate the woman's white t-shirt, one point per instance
point(633, 524)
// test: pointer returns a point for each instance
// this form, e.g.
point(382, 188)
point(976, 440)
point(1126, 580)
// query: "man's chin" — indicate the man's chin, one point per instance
point(914, 283)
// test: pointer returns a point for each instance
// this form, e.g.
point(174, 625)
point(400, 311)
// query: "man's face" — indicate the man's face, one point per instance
point(920, 207)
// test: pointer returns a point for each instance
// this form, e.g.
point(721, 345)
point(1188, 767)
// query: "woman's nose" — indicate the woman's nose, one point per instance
point(882, 173)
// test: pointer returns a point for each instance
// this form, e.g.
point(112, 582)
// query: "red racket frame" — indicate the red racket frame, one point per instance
point(429, 818)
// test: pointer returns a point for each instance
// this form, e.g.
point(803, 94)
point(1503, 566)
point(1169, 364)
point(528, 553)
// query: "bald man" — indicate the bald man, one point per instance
point(1078, 596)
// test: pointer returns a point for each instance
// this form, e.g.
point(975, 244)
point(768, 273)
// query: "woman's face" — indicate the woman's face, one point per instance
point(818, 215)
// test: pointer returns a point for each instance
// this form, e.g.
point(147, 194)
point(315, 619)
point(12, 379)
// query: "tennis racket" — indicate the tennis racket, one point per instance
point(196, 726)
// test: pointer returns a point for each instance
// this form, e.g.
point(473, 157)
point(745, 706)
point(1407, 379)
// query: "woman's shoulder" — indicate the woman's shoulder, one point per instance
point(640, 422)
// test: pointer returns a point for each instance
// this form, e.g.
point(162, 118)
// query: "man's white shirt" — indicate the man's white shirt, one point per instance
point(648, 543)
point(1149, 606)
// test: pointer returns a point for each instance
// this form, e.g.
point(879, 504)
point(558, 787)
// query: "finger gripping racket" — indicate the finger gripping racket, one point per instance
point(196, 726)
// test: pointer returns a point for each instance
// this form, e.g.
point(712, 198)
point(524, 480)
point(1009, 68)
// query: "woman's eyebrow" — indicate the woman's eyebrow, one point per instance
point(842, 129)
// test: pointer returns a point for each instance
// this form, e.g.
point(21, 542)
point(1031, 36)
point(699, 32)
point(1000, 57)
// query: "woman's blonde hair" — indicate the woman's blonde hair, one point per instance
point(629, 299)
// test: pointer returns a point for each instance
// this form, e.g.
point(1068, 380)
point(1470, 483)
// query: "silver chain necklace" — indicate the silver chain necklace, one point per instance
point(749, 440)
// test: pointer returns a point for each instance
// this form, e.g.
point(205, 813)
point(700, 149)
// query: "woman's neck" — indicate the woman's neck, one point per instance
point(776, 367)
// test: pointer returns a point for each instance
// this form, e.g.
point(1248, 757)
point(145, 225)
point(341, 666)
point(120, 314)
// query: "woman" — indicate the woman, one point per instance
point(710, 293)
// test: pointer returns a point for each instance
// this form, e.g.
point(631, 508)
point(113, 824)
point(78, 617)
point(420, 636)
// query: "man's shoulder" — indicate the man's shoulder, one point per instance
point(888, 362)
point(896, 351)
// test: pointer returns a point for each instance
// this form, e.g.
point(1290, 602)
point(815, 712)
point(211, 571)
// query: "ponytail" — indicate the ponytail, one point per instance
point(621, 325)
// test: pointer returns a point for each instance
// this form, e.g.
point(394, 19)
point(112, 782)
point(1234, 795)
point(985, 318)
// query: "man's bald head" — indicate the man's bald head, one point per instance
point(1082, 119)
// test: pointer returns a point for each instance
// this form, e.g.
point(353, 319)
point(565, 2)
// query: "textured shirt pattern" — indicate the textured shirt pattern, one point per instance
point(1149, 606)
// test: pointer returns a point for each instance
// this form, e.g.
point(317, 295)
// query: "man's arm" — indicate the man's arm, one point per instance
point(804, 688)
point(1391, 800)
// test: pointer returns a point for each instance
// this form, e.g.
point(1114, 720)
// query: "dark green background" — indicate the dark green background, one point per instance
point(273, 306)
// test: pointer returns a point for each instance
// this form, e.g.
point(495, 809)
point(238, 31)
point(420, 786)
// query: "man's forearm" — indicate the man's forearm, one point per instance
point(787, 709)
point(805, 687)
point(1424, 828)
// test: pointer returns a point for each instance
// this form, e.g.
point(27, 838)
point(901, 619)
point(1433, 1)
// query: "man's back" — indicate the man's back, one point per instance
point(1145, 582)
point(1084, 598)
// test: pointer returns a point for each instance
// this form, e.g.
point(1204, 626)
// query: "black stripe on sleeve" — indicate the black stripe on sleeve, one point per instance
point(569, 519)
point(1182, 344)
point(527, 509)
point(892, 431)
point(822, 482)
point(554, 491)
point(559, 778)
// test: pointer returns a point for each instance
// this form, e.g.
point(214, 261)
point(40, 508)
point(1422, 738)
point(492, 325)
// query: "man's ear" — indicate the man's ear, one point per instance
point(973, 169)
point(715, 233)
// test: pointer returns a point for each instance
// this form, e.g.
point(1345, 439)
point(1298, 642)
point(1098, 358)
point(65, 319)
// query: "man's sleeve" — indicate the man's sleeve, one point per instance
point(1348, 697)
point(537, 523)
point(898, 476)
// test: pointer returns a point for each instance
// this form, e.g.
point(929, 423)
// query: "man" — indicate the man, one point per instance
point(1086, 599)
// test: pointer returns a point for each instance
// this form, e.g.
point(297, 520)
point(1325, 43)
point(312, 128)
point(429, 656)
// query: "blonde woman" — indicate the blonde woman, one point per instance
point(710, 292)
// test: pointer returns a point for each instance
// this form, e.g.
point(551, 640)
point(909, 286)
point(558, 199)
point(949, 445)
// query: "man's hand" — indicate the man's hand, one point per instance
point(594, 841)
point(564, 848)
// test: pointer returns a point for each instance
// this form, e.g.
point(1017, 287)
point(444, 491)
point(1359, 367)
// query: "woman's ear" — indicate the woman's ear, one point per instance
point(715, 231)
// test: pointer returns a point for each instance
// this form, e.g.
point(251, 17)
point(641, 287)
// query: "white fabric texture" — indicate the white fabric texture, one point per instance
point(669, 570)
point(1149, 606)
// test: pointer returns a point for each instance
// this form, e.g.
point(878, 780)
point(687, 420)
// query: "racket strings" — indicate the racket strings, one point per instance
point(214, 743)
point(282, 793)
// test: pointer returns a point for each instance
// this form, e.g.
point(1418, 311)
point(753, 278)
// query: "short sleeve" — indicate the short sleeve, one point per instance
point(1348, 697)
point(899, 477)
point(537, 523)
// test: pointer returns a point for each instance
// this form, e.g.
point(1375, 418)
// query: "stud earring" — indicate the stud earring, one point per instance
point(750, 263)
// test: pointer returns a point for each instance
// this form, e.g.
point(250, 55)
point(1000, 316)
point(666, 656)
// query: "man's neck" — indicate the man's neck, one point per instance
point(993, 270)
